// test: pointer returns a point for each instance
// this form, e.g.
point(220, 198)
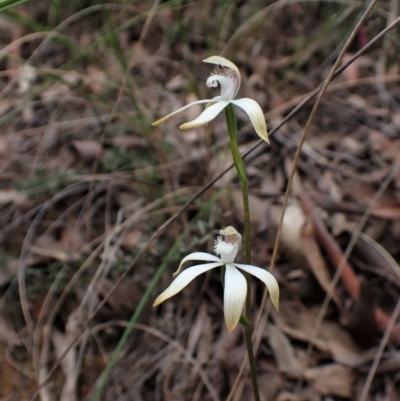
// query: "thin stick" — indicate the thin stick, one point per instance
point(379, 352)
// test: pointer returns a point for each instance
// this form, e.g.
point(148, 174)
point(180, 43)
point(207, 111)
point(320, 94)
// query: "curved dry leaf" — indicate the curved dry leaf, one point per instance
point(129, 142)
point(87, 150)
point(352, 72)
point(283, 352)
point(299, 323)
point(298, 239)
point(332, 379)
point(377, 255)
point(12, 196)
point(312, 253)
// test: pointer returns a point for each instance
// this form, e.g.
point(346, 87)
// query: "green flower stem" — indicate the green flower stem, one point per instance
point(237, 158)
point(245, 321)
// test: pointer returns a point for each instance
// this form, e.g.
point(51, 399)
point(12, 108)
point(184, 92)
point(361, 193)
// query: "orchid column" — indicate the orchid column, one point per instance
point(228, 78)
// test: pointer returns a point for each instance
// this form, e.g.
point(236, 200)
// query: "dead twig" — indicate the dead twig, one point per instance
point(388, 333)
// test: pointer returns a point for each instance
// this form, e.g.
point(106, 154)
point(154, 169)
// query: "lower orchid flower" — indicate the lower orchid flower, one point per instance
point(235, 286)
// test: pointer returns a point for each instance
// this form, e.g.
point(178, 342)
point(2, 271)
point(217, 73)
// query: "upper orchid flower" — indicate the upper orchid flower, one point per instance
point(235, 286)
point(228, 77)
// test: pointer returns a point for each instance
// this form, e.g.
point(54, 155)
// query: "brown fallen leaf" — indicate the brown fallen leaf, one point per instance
point(306, 394)
point(129, 142)
point(283, 352)
point(392, 393)
point(270, 385)
point(332, 379)
point(361, 317)
point(126, 199)
point(176, 83)
point(7, 333)
point(352, 72)
point(300, 244)
point(71, 238)
point(385, 211)
point(258, 208)
point(200, 336)
point(132, 238)
point(48, 247)
point(219, 162)
point(316, 261)
point(87, 150)
point(12, 196)
point(299, 323)
point(122, 302)
point(376, 255)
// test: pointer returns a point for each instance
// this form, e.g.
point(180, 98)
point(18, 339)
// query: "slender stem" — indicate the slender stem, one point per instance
point(237, 158)
point(245, 321)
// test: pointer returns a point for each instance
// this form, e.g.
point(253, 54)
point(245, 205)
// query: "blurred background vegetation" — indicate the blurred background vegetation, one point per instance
point(85, 181)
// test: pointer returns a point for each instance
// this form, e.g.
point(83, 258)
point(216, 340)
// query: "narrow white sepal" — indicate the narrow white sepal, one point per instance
point(267, 278)
point(207, 115)
point(162, 120)
point(235, 290)
point(256, 115)
point(205, 257)
point(183, 280)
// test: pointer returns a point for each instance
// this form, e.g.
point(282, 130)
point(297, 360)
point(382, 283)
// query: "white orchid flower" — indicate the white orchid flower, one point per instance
point(235, 286)
point(228, 77)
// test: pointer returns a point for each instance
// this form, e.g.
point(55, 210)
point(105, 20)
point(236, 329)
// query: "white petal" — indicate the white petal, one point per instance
point(223, 62)
point(227, 83)
point(183, 280)
point(162, 120)
point(267, 278)
point(206, 257)
point(213, 101)
point(256, 115)
point(207, 115)
point(234, 296)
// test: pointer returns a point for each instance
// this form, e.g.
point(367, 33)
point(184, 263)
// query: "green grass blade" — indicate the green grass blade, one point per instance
point(4, 4)
point(146, 296)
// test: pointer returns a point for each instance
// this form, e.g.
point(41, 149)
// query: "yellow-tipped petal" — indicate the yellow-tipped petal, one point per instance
point(205, 257)
point(206, 116)
point(256, 115)
point(162, 120)
point(183, 280)
point(223, 62)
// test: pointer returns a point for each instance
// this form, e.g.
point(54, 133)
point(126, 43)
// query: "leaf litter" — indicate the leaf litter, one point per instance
point(85, 181)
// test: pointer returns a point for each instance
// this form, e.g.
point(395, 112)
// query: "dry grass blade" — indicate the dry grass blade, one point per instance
point(379, 352)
